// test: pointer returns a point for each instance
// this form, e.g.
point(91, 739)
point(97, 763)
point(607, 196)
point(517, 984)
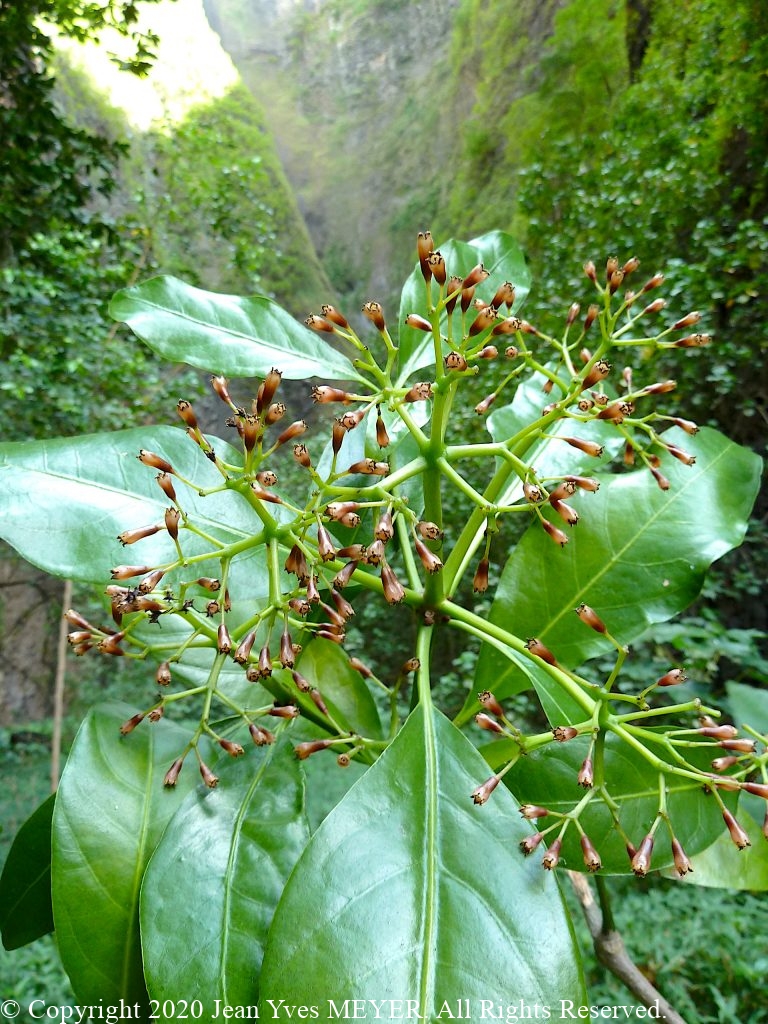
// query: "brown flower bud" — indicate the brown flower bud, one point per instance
point(301, 455)
point(361, 667)
point(233, 749)
point(384, 529)
point(286, 650)
point(722, 764)
point(487, 723)
point(436, 263)
point(420, 392)
point(552, 856)
point(693, 341)
point(686, 321)
point(756, 788)
point(223, 640)
point(531, 812)
point(682, 456)
point(737, 833)
point(660, 479)
point(337, 510)
point(510, 325)
point(590, 618)
point(127, 572)
point(482, 407)
point(209, 778)
point(131, 536)
point(343, 607)
point(382, 437)
point(172, 775)
point(428, 558)
point(564, 733)
point(325, 546)
point(172, 517)
point(556, 534)
point(588, 447)
point(718, 732)
point(744, 746)
point(154, 460)
point(317, 323)
point(591, 856)
point(672, 678)
point(296, 429)
point(163, 674)
point(631, 265)
point(131, 724)
point(477, 274)
point(275, 412)
point(592, 314)
point(589, 270)
point(682, 863)
point(369, 467)
point(614, 282)
point(573, 312)
point(568, 514)
point(261, 737)
point(332, 314)
point(488, 352)
point(342, 578)
point(418, 323)
point(586, 776)
point(306, 749)
point(490, 703)
point(537, 647)
point(424, 246)
point(641, 860)
point(482, 793)
point(529, 844)
point(323, 394)
point(487, 316)
point(480, 580)
point(596, 373)
point(393, 589)
point(373, 311)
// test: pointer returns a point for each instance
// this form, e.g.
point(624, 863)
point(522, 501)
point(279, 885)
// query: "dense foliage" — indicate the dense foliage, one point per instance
point(241, 595)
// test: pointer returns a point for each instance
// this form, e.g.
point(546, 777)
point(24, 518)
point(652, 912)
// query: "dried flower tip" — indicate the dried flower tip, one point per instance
point(573, 312)
point(275, 412)
point(319, 324)
point(172, 517)
point(301, 681)
point(591, 856)
point(631, 265)
point(686, 321)
point(563, 733)
point(394, 592)
point(455, 361)
point(418, 323)
point(505, 295)
point(596, 373)
point(482, 407)
point(611, 266)
point(220, 386)
point(212, 608)
point(332, 314)
point(428, 558)
point(336, 510)
point(131, 724)
point(132, 536)
point(533, 493)
point(477, 274)
point(490, 703)
point(589, 270)
point(537, 647)
point(480, 580)
point(590, 618)
point(615, 280)
point(641, 861)
point(166, 485)
point(209, 778)
point(296, 563)
point(531, 812)
point(411, 665)
point(420, 392)
point(586, 776)
point(482, 793)
point(384, 529)
point(585, 483)
point(592, 314)
point(325, 546)
point(738, 834)
point(487, 723)
point(323, 394)
point(172, 775)
point(681, 455)
point(305, 750)
point(350, 420)
point(693, 341)
point(163, 674)
point(682, 864)
point(588, 447)
point(429, 530)
point(343, 607)
point(554, 532)
point(687, 425)
point(654, 307)
point(482, 321)
point(373, 311)
point(552, 856)
point(81, 636)
point(653, 282)
point(356, 552)
point(233, 749)
point(296, 429)
point(74, 618)
point(722, 764)
point(436, 263)
point(529, 844)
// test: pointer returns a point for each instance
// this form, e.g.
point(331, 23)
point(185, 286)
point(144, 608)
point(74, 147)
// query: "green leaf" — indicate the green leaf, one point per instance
point(25, 884)
point(547, 778)
point(497, 251)
point(111, 810)
point(638, 556)
point(344, 690)
point(749, 705)
point(214, 880)
point(408, 890)
point(64, 501)
point(240, 337)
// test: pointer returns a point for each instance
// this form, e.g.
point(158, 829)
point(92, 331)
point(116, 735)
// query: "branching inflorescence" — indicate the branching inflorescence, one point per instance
point(370, 517)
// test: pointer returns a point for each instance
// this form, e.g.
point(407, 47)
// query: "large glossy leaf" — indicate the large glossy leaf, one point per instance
point(241, 337)
point(408, 890)
point(25, 884)
point(497, 251)
point(111, 810)
point(548, 778)
point(348, 698)
point(212, 885)
point(64, 501)
point(637, 557)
